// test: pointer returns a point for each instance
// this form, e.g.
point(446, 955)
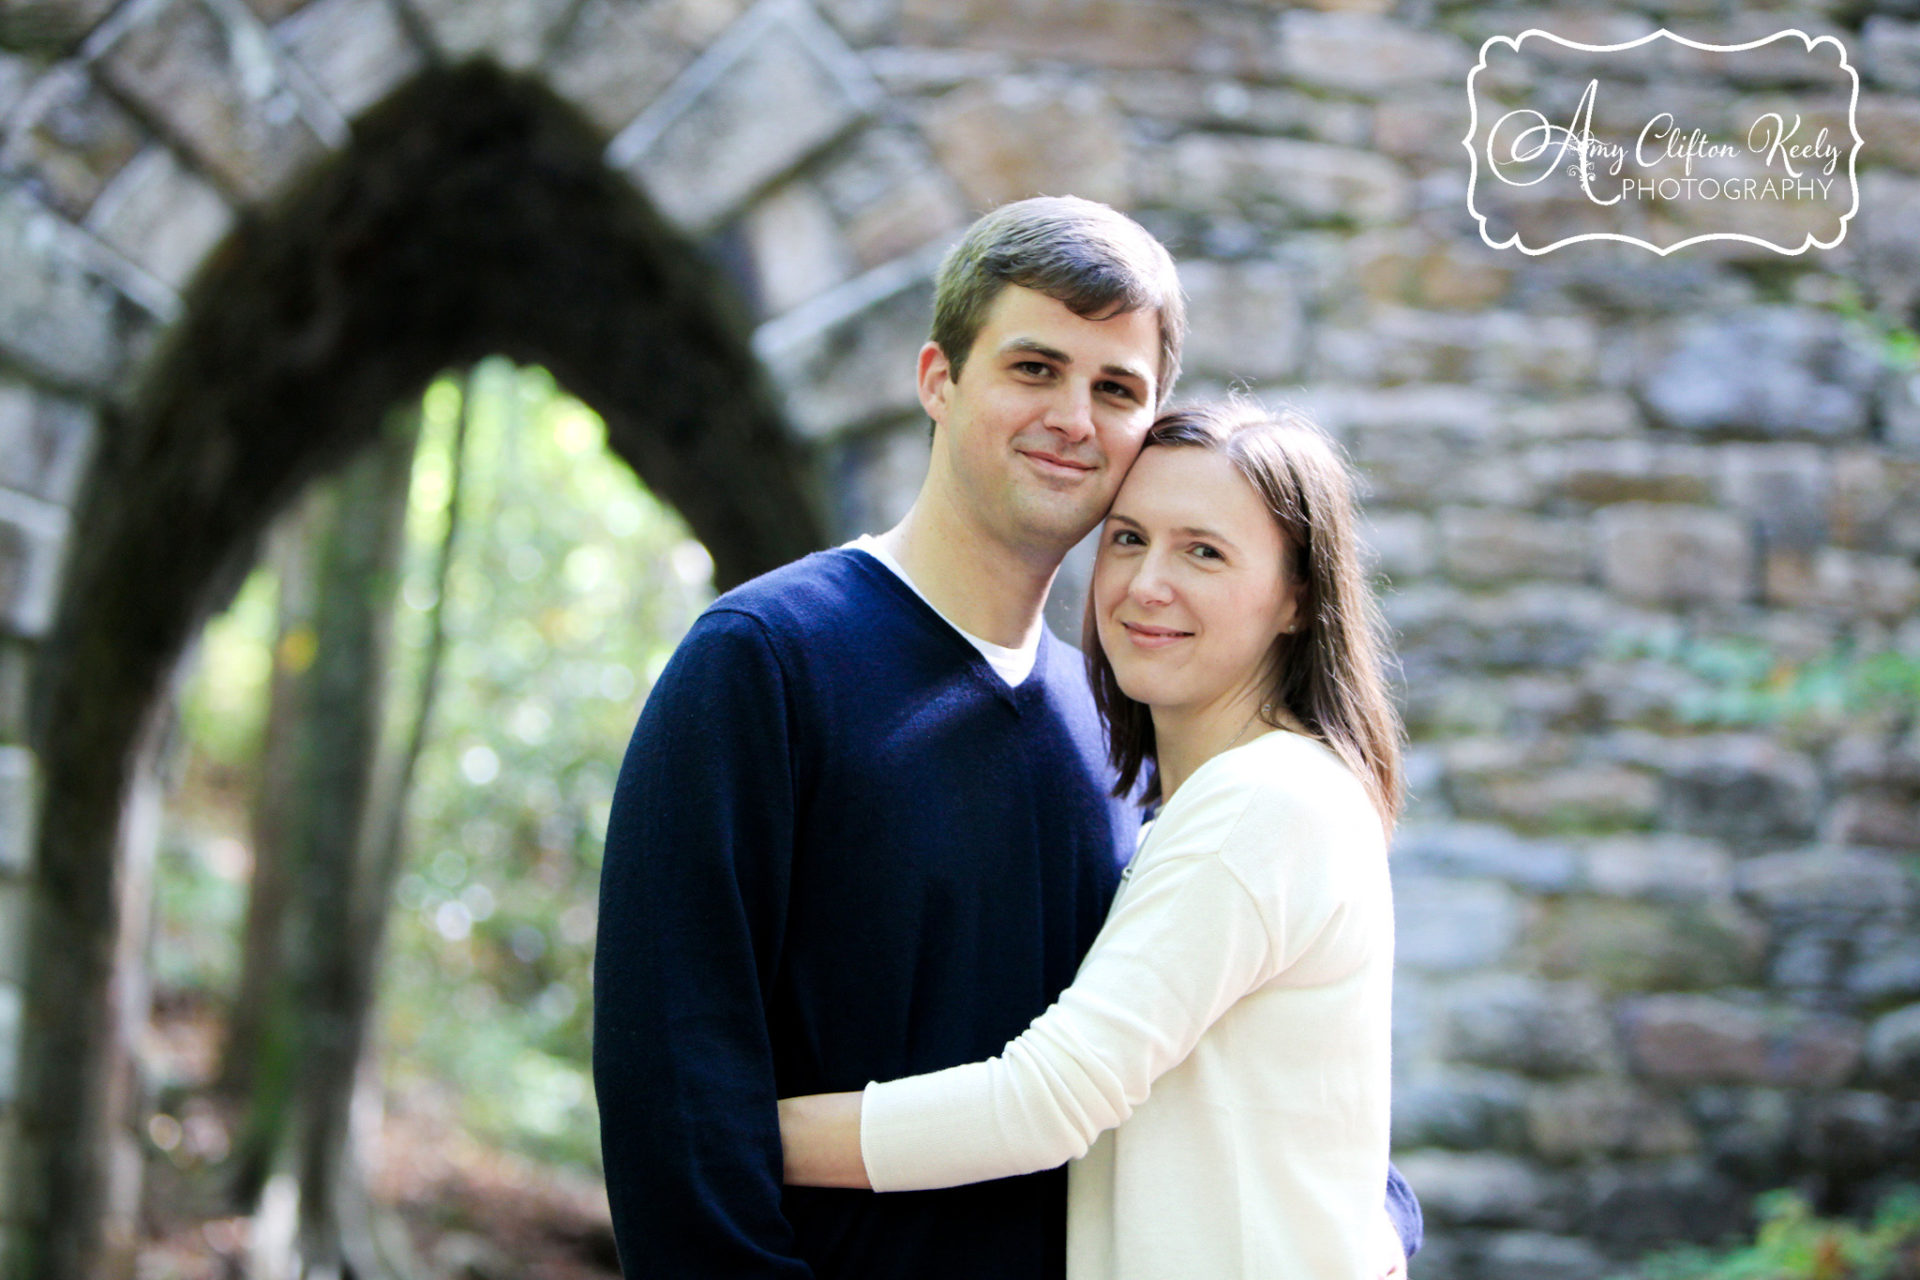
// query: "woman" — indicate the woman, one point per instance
point(1232, 1017)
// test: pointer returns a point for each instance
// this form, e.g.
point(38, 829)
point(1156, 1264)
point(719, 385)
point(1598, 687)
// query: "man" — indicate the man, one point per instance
point(864, 829)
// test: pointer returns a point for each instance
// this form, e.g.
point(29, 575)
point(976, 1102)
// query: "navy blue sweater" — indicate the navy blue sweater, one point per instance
point(842, 849)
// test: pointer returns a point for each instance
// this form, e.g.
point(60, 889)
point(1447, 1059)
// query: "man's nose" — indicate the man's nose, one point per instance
point(1071, 412)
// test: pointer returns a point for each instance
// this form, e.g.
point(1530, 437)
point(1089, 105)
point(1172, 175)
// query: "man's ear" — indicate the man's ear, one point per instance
point(936, 378)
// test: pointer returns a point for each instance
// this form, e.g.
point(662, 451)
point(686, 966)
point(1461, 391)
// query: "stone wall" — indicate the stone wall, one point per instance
point(1648, 961)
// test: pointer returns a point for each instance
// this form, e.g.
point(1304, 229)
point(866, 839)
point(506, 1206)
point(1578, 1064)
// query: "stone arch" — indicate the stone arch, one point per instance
point(472, 213)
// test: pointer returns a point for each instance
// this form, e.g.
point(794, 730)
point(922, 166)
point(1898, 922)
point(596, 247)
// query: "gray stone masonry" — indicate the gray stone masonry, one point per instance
point(1653, 954)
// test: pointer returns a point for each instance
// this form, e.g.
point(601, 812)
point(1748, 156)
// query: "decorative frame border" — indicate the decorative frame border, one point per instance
point(1514, 42)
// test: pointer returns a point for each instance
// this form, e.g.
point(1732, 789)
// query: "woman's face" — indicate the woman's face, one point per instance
point(1190, 587)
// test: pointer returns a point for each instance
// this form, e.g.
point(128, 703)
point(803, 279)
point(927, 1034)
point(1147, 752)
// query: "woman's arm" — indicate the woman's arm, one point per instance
point(820, 1139)
point(1187, 938)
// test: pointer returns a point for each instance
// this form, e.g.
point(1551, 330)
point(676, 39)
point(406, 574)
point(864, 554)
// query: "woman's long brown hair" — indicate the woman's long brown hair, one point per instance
point(1331, 673)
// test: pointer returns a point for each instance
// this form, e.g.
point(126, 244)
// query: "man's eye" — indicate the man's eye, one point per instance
point(1119, 390)
point(1033, 368)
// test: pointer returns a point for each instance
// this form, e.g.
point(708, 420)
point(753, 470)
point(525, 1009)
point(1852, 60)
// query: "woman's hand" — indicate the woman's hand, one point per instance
point(820, 1140)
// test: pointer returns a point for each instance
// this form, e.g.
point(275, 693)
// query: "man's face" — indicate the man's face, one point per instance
point(1034, 436)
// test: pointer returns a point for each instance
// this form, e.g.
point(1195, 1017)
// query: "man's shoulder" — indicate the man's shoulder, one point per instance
point(804, 596)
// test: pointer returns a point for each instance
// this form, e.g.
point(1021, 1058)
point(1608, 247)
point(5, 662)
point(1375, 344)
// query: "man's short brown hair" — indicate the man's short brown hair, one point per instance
point(1092, 259)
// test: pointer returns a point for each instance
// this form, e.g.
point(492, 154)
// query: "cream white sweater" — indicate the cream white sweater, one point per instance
point(1232, 1019)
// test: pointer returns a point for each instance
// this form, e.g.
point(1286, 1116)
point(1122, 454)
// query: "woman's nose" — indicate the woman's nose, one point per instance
point(1150, 584)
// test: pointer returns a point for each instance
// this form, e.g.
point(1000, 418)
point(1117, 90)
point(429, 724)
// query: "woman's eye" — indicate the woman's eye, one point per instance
point(1125, 538)
point(1206, 552)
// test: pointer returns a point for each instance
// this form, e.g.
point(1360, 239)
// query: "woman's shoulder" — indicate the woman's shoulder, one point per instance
point(1289, 789)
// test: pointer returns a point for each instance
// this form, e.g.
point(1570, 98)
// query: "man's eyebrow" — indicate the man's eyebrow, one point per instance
point(1039, 348)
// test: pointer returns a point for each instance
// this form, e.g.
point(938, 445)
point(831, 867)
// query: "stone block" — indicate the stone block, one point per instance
point(778, 87)
point(1485, 849)
point(1893, 1050)
point(1886, 817)
point(1247, 320)
point(17, 74)
point(33, 537)
point(1124, 34)
point(1571, 797)
point(11, 1008)
point(1529, 1026)
point(1393, 345)
point(1683, 1039)
point(16, 666)
point(1659, 554)
point(1783, 489)
point(617, 57)
point(1459, 415)
point(846, 360)
point(1606, 1119)
point(1890, 123)
point(1366, 54)
point(19, 807)
point(52, 25)
point(1628, 1209)
point(1014, 137)
point(1875, 502)
point(274, 10)
point(1402, 266)
point(1900, 414)
point(1886, 251)
point(1479, 546)
point(1623, 945)
point(1531, 627)
point(1444, 925)
point(1886, 964)
point(1460, 1188)
point(1748, 1132)
point(162, 216)
point(218, 84)
point(356, 51)
point(889, 196)
point(1768, 372)
point(45, 442)
point(1659, 868)
point(58, 316)
point(1606, 472)
point(1536, 1255)
point(1224, 175)
point(1601, 416)
point(68, 138)
point(1461, 1109)
point(1420, 127)
point(1188, 101)
point(1852, 582)
point(1400, 544)
point(795, 246)
point(1853, 1135)
point(1890, 53)
point(513, 33)
point(1747, 790)
point(1855, 881)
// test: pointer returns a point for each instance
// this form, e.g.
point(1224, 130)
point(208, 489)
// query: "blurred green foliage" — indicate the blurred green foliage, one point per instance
point(1744, 682)
point(569, 588)
point(1794, 1244)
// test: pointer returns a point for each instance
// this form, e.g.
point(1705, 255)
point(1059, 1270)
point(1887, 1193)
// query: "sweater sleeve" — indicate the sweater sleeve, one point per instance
point(693, 891)
point(1184, 942)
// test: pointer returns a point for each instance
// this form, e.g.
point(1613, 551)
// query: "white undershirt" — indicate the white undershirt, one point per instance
point(1013, 665)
